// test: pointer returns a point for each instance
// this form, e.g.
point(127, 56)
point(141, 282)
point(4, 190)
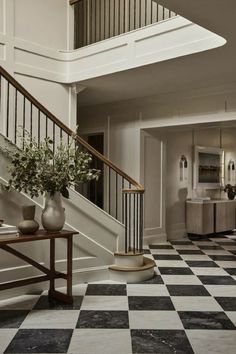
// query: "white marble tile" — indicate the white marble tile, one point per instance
point(155, 320)
point(170, 263)
point(195, 303)
point(147, 290)
point(221, 239)
point(105, 303)
point(185, 247)
point(6, 336)
point(230, 247)
point(163, 251)
point(100, 341)
point(208, 271)
point(205, 243)
point(195, 257)
point(226, 264)
point(217, 252)
point(181, 279)
point(212, 341)
point(51, 319)
point(232, 316)
point(221, 290)
point(23, 302)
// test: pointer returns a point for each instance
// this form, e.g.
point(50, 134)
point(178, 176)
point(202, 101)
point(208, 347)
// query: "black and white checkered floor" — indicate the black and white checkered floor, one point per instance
point(188, 307)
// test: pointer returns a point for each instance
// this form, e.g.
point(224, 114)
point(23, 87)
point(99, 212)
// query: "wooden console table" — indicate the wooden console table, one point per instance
point(50, 274)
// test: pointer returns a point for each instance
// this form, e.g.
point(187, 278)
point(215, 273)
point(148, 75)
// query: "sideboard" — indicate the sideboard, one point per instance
point(205, 217)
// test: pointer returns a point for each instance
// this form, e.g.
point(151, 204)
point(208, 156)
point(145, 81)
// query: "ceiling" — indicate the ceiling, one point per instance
point(205, 69)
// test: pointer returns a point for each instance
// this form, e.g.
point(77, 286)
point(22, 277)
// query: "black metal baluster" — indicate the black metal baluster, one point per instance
point(141, 223)
point(95, 21)
point(46, 128)
point(39, 132)
point(119, 17)
point(126, 221)
point(116, 195)
point(8, 92)
point(104, 17)
point(122, 183)
point(163, 13)
point(134, 223)
point(114, 18)
point(53, 137)
point(151, 12)
point(109, 190)
point(124, 19)
point(23, 121)
point(140, 14)
point(146, 13)
point(61, 134)
point(137, 223)
point(129, 218)
point(129, 24)
point(15, 133)
point(109, 18)
point(134, 14)
point(31, 120)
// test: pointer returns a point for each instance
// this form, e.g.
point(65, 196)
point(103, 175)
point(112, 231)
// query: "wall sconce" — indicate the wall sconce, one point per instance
point(231, 172)
point(183, 167)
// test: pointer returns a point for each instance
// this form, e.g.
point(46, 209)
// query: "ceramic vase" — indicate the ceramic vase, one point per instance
point(53, 216)
point(28, 225)
point(231, 195)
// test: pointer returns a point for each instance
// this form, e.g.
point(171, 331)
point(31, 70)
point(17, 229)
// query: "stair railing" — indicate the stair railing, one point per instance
point(96, 20)
point(123, 195)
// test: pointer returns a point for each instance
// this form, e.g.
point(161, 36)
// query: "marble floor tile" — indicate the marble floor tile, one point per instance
point(187, 290)
point(225, 258)
point(169, 257)
point(160, 341)
point(202, 264)
point(12, 318)
point(227, 303)
point(103, 319)
point(159, 247)
point(190, 251)
point(232, 316)
point(6, 336)
point(40, 341)
point(226, 264)
point(100, 341)
point(230, 247)
point(181, 242)
point(186, 247)
point(212, 341)
point(217, 280)
point(195, 303)
point(231, 271)
point(22, 302)
point(195, 257)
point(164, 251)
point(170, 263)
point(51, 319)
point(181, 279)
point(46, 303)
point(209, 271)
point(106, 289)
point(150, 303)
point(154, 320)
point(205, 320)
point(218, 290)
point(175, 270)
point(105, 303)
point(210, 247)
point(157, 279)
point(221, 252)
point(147, 290)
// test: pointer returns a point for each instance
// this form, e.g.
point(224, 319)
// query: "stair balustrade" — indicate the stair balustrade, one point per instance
point(96, 20)
point(123, 196)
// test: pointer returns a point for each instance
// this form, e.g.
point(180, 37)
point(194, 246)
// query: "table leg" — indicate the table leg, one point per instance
point(52, 264)
point(69, 265)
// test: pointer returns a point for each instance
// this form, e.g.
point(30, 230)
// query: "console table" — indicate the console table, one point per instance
point(205, 217)
point(49, 274)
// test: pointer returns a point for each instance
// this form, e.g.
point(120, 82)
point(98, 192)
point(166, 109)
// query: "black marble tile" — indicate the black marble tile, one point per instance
point(181, 242)
point(175, 270)
point(157, 279)
point(226, 258)
point(231, 271)
point(202, 264)
point(106, 289)
point(205, 320)
point(161, 247)
point(160, 341)
point(189, 251)
point(46, 303)
point(150, 303)
point(167, 257)
point(12, 318)
point(226, 243)
point(217, 280)
point(103, 319)
point(232, 251)
point(227, 303)
point(187, 290)
point(40, 341)
point(206, 247)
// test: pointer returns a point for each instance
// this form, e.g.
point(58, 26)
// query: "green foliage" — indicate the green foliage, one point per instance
point(36, 168)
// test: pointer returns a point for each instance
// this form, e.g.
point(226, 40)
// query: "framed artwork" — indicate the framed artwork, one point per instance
point(208, 167)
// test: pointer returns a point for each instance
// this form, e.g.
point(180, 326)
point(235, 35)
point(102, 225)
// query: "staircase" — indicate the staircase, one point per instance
point(122, 210)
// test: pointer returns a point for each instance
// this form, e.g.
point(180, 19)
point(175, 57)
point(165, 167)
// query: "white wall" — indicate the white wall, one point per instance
point(123, 124)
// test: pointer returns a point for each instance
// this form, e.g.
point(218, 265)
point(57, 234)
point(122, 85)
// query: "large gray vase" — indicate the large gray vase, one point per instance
point(28, 225)
point(53, 215)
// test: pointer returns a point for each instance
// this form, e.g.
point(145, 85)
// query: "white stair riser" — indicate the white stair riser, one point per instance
point(131, 277)
point(129, 261)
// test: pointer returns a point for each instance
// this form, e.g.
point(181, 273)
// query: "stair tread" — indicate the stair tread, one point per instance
point(148, 264)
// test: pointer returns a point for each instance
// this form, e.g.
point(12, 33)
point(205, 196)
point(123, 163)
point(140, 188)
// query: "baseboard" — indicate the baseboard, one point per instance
point(152, 239)
point(80, 276)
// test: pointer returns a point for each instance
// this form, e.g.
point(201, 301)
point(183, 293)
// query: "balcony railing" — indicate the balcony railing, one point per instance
point(96, 20)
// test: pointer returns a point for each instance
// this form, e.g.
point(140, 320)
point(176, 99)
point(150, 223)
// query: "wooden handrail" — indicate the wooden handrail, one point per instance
point(72, 2)
point(67, 130)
